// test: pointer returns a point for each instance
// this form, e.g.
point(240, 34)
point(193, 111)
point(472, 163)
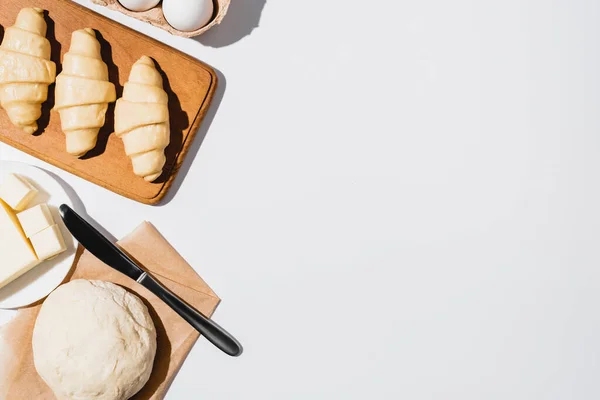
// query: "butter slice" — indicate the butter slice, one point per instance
point(17, 192)
point(16, 252)
point(35, 219)
point(48, 243)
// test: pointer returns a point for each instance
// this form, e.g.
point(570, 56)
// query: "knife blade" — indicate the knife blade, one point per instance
point(107, 252)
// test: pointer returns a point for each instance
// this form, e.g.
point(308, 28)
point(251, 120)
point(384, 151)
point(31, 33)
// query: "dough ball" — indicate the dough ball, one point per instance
point(94, 340)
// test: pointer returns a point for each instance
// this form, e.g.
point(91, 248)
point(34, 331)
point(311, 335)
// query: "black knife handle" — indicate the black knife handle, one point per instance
point(208, 328)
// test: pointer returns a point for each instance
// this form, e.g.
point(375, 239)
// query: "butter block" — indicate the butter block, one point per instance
point(17, 192)
point(16, 252)
point(48, 243)
point(35, 219)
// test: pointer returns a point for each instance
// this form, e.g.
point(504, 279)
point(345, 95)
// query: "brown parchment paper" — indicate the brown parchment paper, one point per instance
point(19, 379)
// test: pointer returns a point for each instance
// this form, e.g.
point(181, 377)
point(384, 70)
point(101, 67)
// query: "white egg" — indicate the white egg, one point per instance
point(139, 5)
point(188, 15)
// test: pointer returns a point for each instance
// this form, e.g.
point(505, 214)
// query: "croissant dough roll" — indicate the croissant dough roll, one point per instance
point(25, 69)
point(142, 119)
point(83, 92)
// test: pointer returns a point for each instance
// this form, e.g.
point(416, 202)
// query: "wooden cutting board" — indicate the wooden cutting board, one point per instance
point(190, 84)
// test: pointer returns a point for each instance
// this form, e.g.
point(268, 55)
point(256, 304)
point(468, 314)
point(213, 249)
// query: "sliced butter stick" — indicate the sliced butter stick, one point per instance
point(35, 219)
point(16, 251)
point(17, 192)
point(48, 243)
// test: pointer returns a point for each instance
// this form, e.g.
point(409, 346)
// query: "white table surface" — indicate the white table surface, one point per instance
point(395, 200)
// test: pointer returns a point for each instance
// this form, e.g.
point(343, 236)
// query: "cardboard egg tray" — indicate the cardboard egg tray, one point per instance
point(155, 16)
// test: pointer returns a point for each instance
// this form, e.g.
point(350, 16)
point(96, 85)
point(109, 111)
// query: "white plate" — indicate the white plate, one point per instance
point(43, 279)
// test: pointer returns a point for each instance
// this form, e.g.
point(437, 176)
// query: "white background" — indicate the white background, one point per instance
point(395, 200)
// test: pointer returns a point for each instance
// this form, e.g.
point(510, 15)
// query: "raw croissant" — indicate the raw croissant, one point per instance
point(25, 69)
point(142, 119)
point(83, 92)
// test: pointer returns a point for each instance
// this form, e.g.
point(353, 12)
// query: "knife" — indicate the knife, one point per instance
point(111, 255)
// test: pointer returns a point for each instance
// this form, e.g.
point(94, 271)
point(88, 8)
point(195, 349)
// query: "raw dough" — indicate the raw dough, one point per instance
point(83, 92)
point(25, 69)
point(94, 340)
point(142, 119)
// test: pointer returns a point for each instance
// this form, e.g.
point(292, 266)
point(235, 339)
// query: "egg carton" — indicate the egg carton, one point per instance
point(155, 16)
